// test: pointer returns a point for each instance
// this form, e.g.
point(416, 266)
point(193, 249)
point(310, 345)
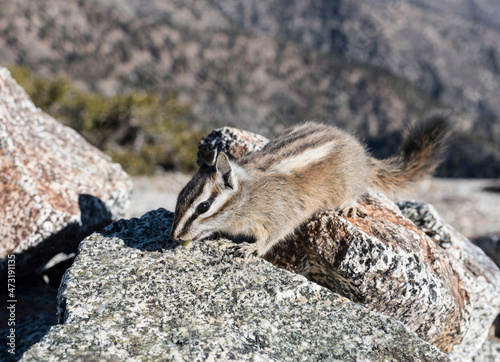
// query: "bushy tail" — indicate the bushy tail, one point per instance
point(419, 155)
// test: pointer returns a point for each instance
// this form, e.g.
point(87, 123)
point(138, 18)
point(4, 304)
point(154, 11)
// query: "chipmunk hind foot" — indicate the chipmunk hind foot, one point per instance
point(352, 212)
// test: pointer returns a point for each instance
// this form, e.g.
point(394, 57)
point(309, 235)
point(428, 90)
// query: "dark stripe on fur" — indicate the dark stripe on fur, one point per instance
point(193, 217)
point(189, 193)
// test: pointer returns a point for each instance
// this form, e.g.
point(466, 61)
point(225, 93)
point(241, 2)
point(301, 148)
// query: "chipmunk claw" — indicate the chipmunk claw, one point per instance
point(246, 250)
point(352, 212)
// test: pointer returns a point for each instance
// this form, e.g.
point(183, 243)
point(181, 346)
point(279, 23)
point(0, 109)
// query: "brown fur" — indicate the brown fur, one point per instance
point(419, 155)
point(311, 167)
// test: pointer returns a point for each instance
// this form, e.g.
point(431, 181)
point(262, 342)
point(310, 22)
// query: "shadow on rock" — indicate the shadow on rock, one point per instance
point(149, 233)
point(38, 274)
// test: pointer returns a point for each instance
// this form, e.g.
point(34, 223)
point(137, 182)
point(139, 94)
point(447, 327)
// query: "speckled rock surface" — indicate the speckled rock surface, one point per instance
point(491, 246)
point(131, 296)
point(448, 295)
point(478, 272)
point(232, 141)
point(54, 186)
point(423, 273)
point(489, 352)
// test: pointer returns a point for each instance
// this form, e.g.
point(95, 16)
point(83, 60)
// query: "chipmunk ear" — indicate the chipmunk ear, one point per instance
point(225, 174)
point(207, 158)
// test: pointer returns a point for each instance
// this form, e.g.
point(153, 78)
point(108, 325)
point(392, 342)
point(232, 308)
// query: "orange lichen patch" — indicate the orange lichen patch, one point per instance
point(385, 262)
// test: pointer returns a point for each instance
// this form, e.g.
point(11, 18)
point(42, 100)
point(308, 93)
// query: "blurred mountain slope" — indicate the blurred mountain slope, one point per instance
point(448, 49)
point(262, 65)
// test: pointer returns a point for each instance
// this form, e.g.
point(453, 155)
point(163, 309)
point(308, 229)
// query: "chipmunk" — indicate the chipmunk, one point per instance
point(268, 194)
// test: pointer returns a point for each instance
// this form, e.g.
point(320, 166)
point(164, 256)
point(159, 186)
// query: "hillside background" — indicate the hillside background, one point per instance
point(145, 79)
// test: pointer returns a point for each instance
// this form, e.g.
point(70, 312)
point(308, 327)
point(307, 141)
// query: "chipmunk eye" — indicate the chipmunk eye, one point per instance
point(203, 207)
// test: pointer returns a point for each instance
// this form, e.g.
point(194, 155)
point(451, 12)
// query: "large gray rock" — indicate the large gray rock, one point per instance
point(407, 264)
point(130, 295)
point(55, 188)
point(441, 286)
point(479, 274)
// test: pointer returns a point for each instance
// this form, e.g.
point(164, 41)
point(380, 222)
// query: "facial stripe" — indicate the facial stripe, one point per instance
point(195, 215)
point(182, 207)
point(215, 206)
point(208, 190)
point(188, 214)
point(224, 201)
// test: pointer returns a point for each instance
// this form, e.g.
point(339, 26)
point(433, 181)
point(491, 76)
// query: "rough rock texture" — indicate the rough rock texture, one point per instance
point(475, 265)
point(232, 141)
point(489, 352)
point(131, 296)
point(384, 262)
point(421, 272)
point(491, 246)
point(55, 188)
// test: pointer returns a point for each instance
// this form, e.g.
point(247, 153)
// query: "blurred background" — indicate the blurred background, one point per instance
point(144, 80)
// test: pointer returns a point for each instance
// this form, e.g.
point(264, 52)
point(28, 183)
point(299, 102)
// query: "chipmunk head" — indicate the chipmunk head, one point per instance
point(199, 205)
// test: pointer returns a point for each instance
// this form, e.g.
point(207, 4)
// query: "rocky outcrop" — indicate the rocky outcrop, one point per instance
point(55, 188)
point(131, 295)
point(395, 283)
point(232, 141)
point(429, 277)
point(404, 262)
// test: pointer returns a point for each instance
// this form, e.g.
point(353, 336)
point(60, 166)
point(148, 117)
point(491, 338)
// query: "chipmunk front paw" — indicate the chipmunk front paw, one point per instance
point(246, 250)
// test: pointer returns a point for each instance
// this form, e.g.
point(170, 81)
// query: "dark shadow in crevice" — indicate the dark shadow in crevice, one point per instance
point(494, 187)
point(147, 233)
point(36, 286)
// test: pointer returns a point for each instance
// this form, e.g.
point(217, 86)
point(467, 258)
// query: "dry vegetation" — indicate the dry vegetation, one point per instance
point(259, 67)
point(139, 130)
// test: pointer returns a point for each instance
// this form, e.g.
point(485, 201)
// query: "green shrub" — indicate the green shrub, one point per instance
point(141, 131)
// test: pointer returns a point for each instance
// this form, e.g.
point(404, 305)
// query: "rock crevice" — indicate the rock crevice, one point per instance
point(55, 188)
